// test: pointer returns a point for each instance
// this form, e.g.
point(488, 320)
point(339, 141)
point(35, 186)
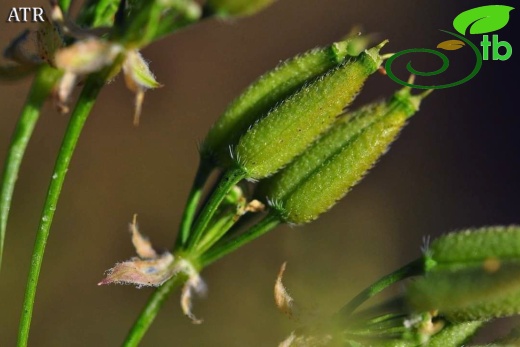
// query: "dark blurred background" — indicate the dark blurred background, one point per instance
point(456, 165)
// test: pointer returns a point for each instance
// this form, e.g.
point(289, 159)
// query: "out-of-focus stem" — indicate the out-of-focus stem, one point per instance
point(44, 81)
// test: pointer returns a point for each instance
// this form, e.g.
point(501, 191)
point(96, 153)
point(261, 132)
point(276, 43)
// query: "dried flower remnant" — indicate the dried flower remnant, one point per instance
point(89, 53)
point(30, 49)
point(87, 56)
point(286, 303)
point(138, 79)
point(143, 246)
point(153, 269)
point(283, 299)
point(79, 59)
point(92, 54)
point(194, 285)
point(149, 269)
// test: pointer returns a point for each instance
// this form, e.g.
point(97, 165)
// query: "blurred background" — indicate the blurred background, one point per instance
point(456, 165)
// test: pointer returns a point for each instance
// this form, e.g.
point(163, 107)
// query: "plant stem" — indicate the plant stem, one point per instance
point(414, 268)
point(219, 227)
point(79, 115)
point(257, 230)
point(188, 215)
point(64, 5)
point(224, 186)
point(43, 83)
point(151, 309)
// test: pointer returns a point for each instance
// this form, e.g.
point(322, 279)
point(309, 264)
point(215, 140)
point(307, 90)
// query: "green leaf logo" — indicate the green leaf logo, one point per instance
point(482, 20)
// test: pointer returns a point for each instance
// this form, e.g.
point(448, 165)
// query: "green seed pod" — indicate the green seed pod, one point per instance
point(342, 133)
point(236, 8)
point(312, 183)
point(288, 129)
point(452, 335)
point(472, 293)
point(455, 335)
point(267, 91)
point(486, 245)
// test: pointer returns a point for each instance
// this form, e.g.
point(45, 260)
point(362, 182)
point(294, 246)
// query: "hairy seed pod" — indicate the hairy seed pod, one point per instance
point(321, 176)
point(475, 247)
point(291, 126)
point(450, 335)
point(266, 92)
point(455, 335)
point(471, 293)
point(340, 135)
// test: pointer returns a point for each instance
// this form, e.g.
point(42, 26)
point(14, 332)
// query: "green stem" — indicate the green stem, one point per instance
point(44, 81)
point(414, 268)
point(215, 232)
point(227, 182)
point(150, 311)
point(201, 177)
point(77, 120)
point(220, 250)
point(64, 5)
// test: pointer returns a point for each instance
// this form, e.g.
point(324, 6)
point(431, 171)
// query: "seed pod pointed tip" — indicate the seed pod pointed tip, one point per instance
point(405, 97)
point(416, 100)
point(374, 53)
point(382, 44)
point(425, 93)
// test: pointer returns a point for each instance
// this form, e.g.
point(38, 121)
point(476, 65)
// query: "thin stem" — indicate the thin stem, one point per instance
point(77, 120)
point(44, 81)
point(259, 229)
point(224, 186)
point(64, 5)
point(151, 310)
point(203, 172)
point(414, 268)
point(215, 232)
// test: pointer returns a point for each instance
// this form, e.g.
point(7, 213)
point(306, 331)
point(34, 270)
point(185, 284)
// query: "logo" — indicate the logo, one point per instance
point(23, 14)
point(479, 21)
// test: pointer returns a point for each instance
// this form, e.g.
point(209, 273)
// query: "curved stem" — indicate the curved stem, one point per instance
point(43, 83)
point(414, 268)
point(220, 250)
point(77, 120)
point(224, 186)
point(188, 215)
point(150, 311)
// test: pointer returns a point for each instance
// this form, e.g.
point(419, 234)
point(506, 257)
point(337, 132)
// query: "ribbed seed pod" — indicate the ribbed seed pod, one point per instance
point(296, 122)
point(452, 335)
point(475, 247)
point(472, 275)
point(314, 181)
point(472, 293)
point(266, 92)
point(343, 131)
